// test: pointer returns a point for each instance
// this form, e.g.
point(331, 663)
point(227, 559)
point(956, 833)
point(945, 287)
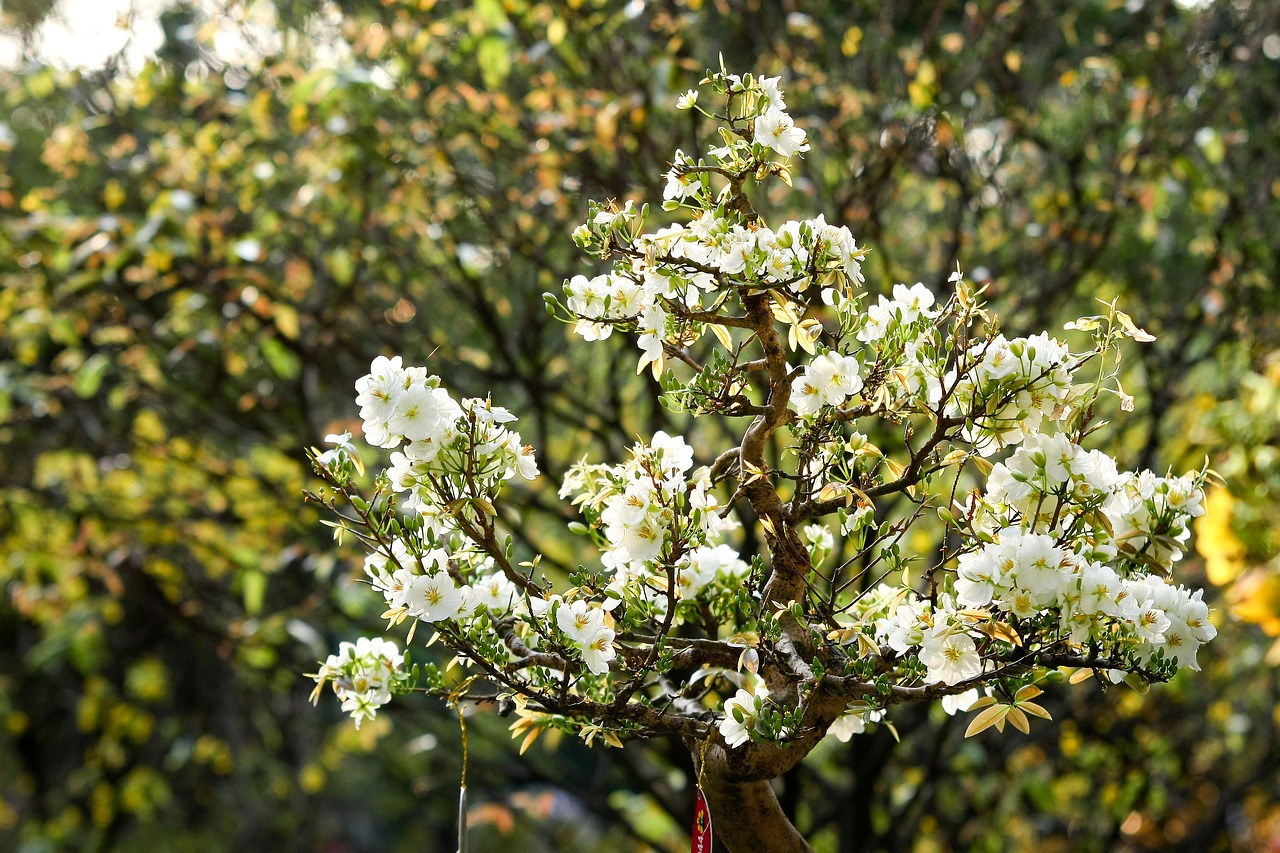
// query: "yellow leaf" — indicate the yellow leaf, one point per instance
point(1131, 329)
point(1019, 720)
point(722, 335)
point(1257, 597)
point(556, 31)
point(921, 95)
point(866, 647)
point(851, 42)
point(1033, 708)
point(1223, 552)
point(834, 491)
point(1084, 324)
point(1137, 683)
point(782, 309)
point(114, 194)
point(1029, 691)
point(657, 366)
point(529, 739)
point(806, 334)
point(992, 716)
point(1080, 675)
point(286, 320)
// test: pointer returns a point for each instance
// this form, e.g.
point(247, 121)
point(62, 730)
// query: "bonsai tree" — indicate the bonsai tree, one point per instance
point(753, 598)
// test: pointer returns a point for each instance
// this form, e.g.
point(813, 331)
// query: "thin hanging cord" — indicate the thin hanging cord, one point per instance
point(462, 789)
point(702, 758)
point(455, 699)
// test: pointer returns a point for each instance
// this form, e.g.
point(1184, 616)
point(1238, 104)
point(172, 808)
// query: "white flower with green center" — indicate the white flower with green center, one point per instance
point(978, 577)
point(580, 620)
point(914, 302)
point(434, 598)
point(774, 129)
point(950, 655)
point(423, 413)
point(496, 593)
point(598, 650)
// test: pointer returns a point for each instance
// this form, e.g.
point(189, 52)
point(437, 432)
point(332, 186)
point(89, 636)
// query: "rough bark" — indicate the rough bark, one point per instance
point(747, 818)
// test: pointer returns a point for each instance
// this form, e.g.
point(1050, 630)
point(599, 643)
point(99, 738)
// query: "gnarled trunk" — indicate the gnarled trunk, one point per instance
point(747, 818)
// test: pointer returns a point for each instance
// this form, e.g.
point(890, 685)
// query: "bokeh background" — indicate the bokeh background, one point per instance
point(213, 215)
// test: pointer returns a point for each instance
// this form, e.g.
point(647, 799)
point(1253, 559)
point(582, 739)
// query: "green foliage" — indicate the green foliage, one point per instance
point(195, 266)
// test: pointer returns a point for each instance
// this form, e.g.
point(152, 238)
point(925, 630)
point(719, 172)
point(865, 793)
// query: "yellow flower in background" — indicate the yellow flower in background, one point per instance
point(1223, 552)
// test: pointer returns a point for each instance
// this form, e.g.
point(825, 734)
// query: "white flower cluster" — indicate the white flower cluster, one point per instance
point(683, 268)
point(946, 647)
point(1009, 389)
point(640, 512)
point(1027, 574)
point(1049, 476)
point(679, 269)
point(855, 723)
point(774, 129)
point(828, 380)
point(758, 102)
point(467, 444)
point(362, 675)
point(1066, 541)
point(585, 624)
point(654, 509)
point(1062, 551)
point(450, 452)
point(1052, 484)
point(908, 308)
point(404, 404)
point(1152, 516)
point(420, 585)
point(709, 563)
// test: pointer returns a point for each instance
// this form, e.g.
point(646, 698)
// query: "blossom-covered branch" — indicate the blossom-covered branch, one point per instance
point(885, 405)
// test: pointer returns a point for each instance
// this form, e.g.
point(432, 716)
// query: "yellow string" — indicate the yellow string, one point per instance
point(456, 701)
point(702, 757)
point(462, 727)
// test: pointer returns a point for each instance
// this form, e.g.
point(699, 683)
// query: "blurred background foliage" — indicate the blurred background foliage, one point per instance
point(200, 253)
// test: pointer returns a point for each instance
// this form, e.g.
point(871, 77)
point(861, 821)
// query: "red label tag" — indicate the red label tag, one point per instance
point(701, 826)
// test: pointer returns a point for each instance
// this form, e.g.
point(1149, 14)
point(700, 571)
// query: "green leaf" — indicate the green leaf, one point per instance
point(284, 362)
point(494, 57)
point(254, 588)
point(90, 375)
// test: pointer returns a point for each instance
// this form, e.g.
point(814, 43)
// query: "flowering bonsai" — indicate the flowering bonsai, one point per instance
point(862, 412)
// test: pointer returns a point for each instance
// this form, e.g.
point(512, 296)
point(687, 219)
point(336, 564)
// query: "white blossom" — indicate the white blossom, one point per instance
point(775, 129)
